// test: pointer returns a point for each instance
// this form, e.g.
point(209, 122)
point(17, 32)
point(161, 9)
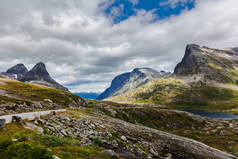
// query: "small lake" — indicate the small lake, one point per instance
point(208, 114)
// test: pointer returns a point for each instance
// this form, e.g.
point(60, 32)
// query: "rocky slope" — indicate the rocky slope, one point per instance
point(83, 133)
point(205, 79)
point(217, 133)
point(131, 80)
point(39, 75)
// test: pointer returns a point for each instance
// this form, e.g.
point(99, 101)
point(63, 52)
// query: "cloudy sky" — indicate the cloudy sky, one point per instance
point(85, 43)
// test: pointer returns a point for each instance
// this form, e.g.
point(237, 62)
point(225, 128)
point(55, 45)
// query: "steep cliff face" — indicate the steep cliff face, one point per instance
point(39, 75)
point(131, 80)
point(212, 64)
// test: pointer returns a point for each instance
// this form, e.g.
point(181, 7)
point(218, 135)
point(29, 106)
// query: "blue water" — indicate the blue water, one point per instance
point(216, 115)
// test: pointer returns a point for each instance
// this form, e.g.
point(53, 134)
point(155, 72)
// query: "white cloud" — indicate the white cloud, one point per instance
point(174, 3)
point(85, 50)
point(134, 2)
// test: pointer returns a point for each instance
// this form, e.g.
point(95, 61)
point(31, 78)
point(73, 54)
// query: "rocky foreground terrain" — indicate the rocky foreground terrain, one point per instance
point(90, 133)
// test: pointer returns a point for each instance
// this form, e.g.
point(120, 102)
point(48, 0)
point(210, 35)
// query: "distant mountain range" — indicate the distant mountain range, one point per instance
point(131, 80)
point(86, 95)
point(38, 75)
point(205, 77)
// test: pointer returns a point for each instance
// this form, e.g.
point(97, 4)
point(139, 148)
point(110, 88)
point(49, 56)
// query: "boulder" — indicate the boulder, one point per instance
point(17, 119)
point(2, 123)
point(110, 153)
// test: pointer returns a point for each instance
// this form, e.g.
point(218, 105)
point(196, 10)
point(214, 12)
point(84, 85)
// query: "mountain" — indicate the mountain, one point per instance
point(16, 72)
point(131, 80)
point(206, 78)
point(86, 95)
point(211, 64)
point(18, 69)
point(39, 75)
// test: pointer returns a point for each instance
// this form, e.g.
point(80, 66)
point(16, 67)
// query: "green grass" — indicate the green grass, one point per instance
point(174, 93)
point(27, 92)
point(30, 145)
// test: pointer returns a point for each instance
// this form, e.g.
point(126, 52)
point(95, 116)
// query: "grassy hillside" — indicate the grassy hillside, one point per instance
point(179, 93)
point(32, 95)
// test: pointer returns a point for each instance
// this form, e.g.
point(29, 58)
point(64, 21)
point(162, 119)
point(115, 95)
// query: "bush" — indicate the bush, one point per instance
point(97, 141)
point(27, 151)
point(4, 144)
point(25, 135)
point(53, 141)
point(67, 155)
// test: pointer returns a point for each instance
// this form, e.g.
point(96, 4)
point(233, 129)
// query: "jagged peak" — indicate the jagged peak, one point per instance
point(190, 48)
point(18, 69)
point(40, 68)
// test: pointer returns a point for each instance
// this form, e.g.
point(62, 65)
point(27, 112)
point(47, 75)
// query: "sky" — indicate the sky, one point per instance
point(86, 43)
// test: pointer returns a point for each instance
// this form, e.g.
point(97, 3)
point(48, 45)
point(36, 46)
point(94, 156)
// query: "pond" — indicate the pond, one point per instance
point(208, 114)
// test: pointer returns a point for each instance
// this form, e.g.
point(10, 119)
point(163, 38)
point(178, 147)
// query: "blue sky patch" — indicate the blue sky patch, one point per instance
point(122, 9)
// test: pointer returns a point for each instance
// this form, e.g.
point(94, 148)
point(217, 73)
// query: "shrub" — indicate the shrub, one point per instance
point(27, 151)
point(4, 144)
point(53, 141)
point(67, 155)
point(97, 141)
point(25, 135)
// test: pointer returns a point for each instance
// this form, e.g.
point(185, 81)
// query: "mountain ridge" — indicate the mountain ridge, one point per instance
point(38, 75)
point(130, 80)
point(206, 78)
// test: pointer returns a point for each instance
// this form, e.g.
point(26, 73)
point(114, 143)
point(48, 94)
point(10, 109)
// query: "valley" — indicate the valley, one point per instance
point(146, 115)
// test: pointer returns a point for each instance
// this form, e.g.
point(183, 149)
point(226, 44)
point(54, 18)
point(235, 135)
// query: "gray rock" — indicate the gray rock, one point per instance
point(17, 119)
point(123, 138)
point(2, 123)
point(110, 153)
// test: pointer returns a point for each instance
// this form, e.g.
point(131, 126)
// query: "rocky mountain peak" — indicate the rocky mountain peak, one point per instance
point(212, 64)
point(40, 69)
point(191, 48)
point(18, 69)
point(130, 80)
point(39, 74)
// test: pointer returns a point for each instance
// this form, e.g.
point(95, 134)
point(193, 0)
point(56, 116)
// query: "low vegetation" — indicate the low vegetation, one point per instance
point(175, 93)
point(224, 138)
point(17, 142)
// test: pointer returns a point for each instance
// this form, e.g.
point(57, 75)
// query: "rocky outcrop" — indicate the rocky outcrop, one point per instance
point(39, 75)
point(212, 64)
point(131, 80)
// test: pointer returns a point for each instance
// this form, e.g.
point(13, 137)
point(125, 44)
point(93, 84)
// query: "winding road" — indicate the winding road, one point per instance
point(30, 115)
